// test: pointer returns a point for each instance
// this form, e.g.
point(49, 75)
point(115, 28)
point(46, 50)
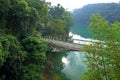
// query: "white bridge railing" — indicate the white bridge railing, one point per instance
point(76, 41)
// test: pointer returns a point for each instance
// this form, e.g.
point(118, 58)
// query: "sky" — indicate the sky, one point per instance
point(72, 4)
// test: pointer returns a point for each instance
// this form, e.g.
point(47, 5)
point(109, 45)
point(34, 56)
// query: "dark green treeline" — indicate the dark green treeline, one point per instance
point(22, 51)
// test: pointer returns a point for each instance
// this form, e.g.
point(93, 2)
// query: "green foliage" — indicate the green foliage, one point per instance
point(17, 62)
point(10, 47)
point(56, 12)
point(35, 48)
point(36, 56)
point(100, 27)
point(22, 57)
point(69, 18)
point(5, 5)
point(11, 57)
point(1, 55)
point(58, 26)
point(103, 57)
point(4, 8)
point(22, 52)
point(41, 7)
point(59, 21)
point(22, 17)
point(32, 72)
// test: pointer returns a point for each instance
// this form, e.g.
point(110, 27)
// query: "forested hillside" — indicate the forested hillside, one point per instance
point(111, 11)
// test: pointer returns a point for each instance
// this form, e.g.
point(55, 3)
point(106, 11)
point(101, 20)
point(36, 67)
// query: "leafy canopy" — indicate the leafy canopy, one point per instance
point(103, 58)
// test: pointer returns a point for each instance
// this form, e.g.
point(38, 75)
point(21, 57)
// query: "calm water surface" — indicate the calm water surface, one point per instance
point(69, 65)
point(82, 30)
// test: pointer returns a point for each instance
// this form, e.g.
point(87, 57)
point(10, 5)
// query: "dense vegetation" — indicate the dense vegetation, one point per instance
point(109, 10)
point(59, 21)
point(103, 58)
point(22, 51)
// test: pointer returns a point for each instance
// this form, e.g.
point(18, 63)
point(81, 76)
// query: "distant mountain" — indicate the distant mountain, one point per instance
point(111, 11)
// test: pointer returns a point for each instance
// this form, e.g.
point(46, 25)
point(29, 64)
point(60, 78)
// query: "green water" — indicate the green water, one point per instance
point(82, 30)
point(68, 65)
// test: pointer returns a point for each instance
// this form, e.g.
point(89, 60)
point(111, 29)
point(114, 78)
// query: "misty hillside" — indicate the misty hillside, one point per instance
point(111, 11)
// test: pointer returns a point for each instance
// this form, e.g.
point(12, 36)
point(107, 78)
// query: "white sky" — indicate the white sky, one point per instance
point(72, 4)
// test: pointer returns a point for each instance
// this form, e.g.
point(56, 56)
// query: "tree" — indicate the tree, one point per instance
point(34, 62)
point(56, 11)
point(11, 58)
point(23, 17)
point(22, 53)
point(59, 21)
point(103, 57)
point(4, 8)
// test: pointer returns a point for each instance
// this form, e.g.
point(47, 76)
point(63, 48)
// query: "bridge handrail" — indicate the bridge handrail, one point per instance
point(62, 39)
point(93, 41)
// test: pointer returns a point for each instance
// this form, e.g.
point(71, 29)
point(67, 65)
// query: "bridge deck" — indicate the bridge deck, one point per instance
point(65, 45)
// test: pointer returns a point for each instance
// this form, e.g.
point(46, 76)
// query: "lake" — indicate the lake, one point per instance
point(70, 65)
point(82, 30)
